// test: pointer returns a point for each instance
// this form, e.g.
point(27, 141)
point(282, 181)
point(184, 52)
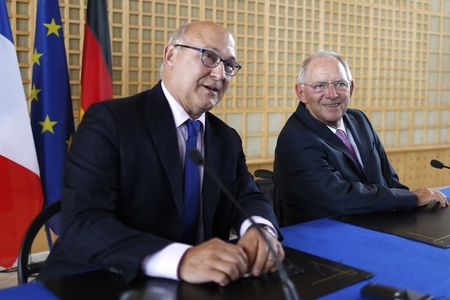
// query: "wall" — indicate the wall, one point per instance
point(399, 52)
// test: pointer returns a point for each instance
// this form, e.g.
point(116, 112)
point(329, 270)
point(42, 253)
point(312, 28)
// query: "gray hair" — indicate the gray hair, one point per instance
point(322, 53)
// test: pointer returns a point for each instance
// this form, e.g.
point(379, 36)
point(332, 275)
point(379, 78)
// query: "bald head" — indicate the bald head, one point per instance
point(194, 67)
point(200, 30)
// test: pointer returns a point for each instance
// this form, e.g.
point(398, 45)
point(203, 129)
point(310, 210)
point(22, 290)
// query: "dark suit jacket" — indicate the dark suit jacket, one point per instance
point(123, 187)
point(316, 176)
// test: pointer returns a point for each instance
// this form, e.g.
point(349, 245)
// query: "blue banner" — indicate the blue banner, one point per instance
point(51, 105)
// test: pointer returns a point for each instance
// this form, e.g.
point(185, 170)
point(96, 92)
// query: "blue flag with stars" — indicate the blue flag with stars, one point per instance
point(51, 104)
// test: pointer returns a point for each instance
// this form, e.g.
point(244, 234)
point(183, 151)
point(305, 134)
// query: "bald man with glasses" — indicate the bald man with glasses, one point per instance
point(328, 158)
point(133, 201)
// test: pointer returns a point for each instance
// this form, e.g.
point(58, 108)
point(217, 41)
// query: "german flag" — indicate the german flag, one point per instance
point(96, 72)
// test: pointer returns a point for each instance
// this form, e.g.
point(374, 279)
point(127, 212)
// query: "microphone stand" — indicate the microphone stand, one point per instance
point(288, 287)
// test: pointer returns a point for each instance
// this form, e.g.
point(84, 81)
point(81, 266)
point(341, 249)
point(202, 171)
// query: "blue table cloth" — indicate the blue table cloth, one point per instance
point(393, 260)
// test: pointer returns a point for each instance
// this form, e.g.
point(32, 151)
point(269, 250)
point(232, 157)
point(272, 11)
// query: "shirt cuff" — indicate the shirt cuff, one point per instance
point(164, 263)
point(258, 220)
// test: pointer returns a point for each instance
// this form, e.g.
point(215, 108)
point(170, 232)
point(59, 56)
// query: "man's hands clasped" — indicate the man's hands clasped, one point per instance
point(222, 262)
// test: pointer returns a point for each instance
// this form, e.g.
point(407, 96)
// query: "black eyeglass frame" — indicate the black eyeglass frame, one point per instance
point(229, 62)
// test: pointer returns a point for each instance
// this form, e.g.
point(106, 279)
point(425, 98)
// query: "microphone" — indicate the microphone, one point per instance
point(288, 287)
point(438, 164)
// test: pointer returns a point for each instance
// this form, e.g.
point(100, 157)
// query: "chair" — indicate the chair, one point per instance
point(264, 180)
point(24, 268)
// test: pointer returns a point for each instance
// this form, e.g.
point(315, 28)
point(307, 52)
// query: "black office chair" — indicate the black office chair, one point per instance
point(24, 268)
point(264, 180)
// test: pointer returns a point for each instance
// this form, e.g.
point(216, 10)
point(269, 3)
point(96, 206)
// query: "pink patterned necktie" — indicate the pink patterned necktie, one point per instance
point(343, 137)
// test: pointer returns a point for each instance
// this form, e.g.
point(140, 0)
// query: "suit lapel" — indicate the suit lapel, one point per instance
point(360, 135)
point(162, 130)
point(214, 146)
point(320, 129)
point(327, 135)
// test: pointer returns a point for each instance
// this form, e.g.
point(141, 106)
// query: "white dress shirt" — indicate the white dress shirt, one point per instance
point(164, 263)
point(350, 138)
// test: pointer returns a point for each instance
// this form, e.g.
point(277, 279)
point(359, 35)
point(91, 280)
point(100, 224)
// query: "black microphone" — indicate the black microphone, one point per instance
point(438, 164)
point(288, 287)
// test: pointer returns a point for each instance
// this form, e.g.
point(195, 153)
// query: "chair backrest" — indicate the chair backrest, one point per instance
point(24, 268)
point(264, 180)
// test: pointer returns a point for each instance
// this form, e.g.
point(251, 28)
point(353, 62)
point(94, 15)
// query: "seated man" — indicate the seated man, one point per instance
point(328, 159)
point(134, 201)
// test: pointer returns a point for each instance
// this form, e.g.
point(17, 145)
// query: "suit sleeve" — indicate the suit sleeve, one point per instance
point(247, 193)
point(92, 232)
point(389, 174)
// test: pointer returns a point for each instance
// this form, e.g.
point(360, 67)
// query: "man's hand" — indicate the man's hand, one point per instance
point(260, 260)
point(214, 260)
point(427, 195)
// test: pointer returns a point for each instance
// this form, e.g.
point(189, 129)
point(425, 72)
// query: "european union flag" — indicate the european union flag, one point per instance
point(51, 105)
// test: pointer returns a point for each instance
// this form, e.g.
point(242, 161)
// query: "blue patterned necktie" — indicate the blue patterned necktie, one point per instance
point(191, 183)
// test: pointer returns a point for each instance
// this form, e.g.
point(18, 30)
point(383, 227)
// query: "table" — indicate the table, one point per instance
point(393, 260)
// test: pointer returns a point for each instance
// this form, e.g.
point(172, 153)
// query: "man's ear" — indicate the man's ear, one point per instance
point(300, 92)
point(352, 86)
point(169, 55)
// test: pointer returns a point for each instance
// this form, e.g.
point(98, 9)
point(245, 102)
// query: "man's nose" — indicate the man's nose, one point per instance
point(331, 91)
point(218, 72)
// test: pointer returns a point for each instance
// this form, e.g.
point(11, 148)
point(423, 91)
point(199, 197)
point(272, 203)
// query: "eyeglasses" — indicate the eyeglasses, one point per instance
point(211, 60)
point(320, 87)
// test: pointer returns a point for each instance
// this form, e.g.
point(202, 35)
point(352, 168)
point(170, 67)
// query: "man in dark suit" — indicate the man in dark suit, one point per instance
point(123, 196)
point(316, 174)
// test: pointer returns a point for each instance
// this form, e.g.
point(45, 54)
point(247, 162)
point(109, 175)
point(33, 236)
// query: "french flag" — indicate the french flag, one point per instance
point(20, 186)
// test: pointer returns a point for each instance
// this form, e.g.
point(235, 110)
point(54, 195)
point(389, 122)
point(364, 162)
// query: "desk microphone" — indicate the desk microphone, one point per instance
point(288, 287)
point(438, 164)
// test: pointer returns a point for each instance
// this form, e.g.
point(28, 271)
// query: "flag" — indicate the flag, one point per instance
point(96, 72)
point(20, 187)
point(51, 105)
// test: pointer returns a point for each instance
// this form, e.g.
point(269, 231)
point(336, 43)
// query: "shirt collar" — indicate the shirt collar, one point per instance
point(180, 116)
point(341, 127)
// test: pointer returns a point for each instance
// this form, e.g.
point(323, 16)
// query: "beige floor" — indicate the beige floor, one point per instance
point(8, 279)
